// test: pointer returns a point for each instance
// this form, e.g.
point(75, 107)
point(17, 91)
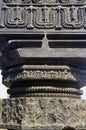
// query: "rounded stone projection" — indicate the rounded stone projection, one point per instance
point(34, 66)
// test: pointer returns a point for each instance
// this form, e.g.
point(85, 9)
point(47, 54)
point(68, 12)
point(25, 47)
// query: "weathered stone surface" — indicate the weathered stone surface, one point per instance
point(44, 113)
point(43, 59)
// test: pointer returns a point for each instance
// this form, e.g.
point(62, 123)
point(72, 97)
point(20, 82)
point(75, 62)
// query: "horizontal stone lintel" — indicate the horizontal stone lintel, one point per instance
point(49, 53)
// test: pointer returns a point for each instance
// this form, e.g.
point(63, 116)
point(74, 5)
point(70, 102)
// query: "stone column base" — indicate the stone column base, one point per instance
point(44, 113)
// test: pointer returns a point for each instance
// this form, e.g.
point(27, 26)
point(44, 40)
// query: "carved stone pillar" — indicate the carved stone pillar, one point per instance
point(43, 59)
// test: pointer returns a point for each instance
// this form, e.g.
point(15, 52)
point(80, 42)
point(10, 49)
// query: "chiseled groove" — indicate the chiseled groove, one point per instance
point(67, 43)
point(15, 44)
point(47, 95)
point(47, 89)
point(52, 84)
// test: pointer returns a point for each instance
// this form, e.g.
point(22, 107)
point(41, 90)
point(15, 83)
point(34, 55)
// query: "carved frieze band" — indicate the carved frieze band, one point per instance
point(63, 74)
point(40, 74)
point(43, 16)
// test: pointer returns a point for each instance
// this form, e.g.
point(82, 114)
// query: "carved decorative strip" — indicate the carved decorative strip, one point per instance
point(64, 15)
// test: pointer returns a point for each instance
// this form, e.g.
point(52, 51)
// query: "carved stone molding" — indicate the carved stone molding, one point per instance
point(43, 62)
point(35, 65)
point(62, 74)
point(64, 15)
point(35, 80)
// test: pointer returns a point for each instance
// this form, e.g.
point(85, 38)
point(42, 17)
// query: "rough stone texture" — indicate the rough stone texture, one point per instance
point(43, 62)
point(44, 113)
